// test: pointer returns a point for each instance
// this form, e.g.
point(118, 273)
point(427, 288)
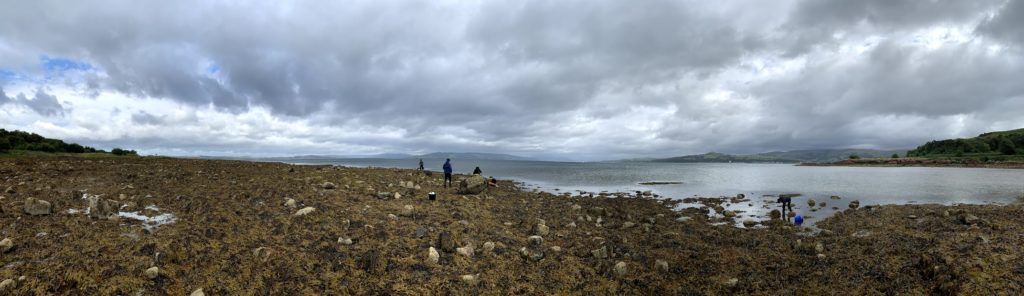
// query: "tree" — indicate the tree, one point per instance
point(1006, 147)
point(854, 156)
point(894, 155)
point(4, 144)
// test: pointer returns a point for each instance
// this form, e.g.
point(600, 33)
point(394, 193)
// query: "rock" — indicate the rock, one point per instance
point(862, 233)
point(474, 184)
point(328, 185)
point(345, 241)
point(392, 217)
point(471, 279)
point(420, 231)
point(775, 214)
point(600, 253)
point(731, 282)
point(968, 219)
point(262, 254)
point(855, 204)
point(576, 207)
point(7, 285)
point(36, 207)
point(465, 251)
point(407, 211)
point(9, 190)
point(661, 265)
point(541, 229)
point(556, 249)
point(791, 214)
point(834, 197)
point(488, 246)
point(6, 245)
point(811, 202)
point(384, 195)
point(719, 209)
point(199, 292)
point(446, 242)
point(821, 256)
point(535, 241)
point(398, 195)
point(290, 203)
point(152, 272)
point(433, 256)
point(571, 224)
point(729, 214)
point(304, 211)
point(535, 255)
point(683, 219)
point(628, 225)
point(620, 269)
point(911, 216)
point(819, 248)
point(749, 223)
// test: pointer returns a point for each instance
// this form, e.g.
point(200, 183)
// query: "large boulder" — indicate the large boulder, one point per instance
point(101, 208)
point(474, 184)
point(36, 207)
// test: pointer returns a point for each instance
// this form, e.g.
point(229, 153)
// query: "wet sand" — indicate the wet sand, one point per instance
point(229, 228)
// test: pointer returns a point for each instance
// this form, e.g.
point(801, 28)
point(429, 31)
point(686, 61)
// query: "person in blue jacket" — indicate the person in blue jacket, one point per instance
point(447, 172)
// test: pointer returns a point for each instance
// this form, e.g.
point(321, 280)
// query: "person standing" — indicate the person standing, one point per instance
point(421, 164)
point(477, 171)
point(447, 172)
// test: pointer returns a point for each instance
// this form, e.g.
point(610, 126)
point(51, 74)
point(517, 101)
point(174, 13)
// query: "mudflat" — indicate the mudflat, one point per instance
point(74, 226)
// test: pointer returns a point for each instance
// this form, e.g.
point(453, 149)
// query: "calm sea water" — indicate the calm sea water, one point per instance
point(869, 185)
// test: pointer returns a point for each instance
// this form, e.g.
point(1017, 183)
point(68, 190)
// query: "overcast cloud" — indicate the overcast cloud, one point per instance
point(582, 80)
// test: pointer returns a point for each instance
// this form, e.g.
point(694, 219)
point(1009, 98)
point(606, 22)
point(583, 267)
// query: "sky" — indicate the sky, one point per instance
point(570, 79)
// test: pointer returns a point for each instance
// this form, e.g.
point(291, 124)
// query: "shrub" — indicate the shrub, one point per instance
point(854, 156)
point(894, 155)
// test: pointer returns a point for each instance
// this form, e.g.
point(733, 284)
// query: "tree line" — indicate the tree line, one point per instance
point(1006, 143)
point(19, 140)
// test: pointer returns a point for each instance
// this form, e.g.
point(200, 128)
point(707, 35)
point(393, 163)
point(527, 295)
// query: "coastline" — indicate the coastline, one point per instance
point(237, 230)
point(919, 163)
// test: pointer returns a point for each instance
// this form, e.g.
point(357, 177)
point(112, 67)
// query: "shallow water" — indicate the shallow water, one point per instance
point(869, 185)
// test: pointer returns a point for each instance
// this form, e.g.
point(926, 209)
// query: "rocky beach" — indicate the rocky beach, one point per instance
point(155, 226)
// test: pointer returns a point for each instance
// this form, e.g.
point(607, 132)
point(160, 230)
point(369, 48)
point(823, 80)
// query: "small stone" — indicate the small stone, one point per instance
point(834, 197)
point(471, 279)
point(328, 185)
point(420, 231)
point(398, 195)
point(531, 254)
point(628, 225)
point(731, 282)
point(433, 256)
point(571, 224)
point(811, 202)
point(407, 210)
point(661, 265)
point(683, 219)
point(261, 254)
point(7, 285)
point(289, 203)
point(719, 209)
point(968, 219)
point(304, 211)
point(775, 214)
point(465, 251)
point(912, 217)
point(542, 229)
point(620, 269)
point(392, 217)
point(345, 241)
point(821, 256)
point(729, 214)
point(749, 223)
point(6, 245)
point(37, 207)
point(600, 253)
point(855, 204)
point(488, 246)
point(535, 240)
point(556, 249)
point(199, 292)
point(576, 207)
point(153, 272)
point(819, 248)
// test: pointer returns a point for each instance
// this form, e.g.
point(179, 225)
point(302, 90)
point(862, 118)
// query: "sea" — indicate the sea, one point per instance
point(761, 183)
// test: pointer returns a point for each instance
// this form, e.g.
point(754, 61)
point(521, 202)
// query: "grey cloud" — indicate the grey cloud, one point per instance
point(42, 103)
point(1007, 23)
point(144, 118)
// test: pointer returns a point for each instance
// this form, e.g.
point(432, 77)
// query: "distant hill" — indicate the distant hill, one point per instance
point(720, 157)
point(471, 155)
point(816, 155)
point(1002, 145)
point(13, 141)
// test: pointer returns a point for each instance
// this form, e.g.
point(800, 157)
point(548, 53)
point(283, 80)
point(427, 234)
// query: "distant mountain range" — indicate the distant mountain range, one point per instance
point(434, 155)
point(795, 156)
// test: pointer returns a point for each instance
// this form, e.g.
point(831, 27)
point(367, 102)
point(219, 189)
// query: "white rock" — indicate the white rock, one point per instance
point(198, 292)
point(732, 282)
point(304, 211)
point(571, 224)
point(488, 246)
point(542, 229)
point(433, 256)
point(398, 195)
point(556, 249)
point(407, 210)
point(661, 265)
point(7, 285)
point(620, 268)
point(819, 248)
point(153, 272)
point(289, 203)
point(392, 217)
point(6, 245)
point(467, 251)
point(345, 241)
point(471, 279)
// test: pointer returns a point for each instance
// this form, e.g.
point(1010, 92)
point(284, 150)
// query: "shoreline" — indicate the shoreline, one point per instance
point(919, 163)
point(238, 228)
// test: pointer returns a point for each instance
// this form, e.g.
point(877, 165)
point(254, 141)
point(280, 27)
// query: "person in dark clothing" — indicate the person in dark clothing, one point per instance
point(447, 172)
point(421, 164)
point(493, 182)
point(787, 202)
point(477, 171)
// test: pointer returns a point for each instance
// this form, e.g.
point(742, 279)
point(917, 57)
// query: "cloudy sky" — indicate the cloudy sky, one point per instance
point(572, 79)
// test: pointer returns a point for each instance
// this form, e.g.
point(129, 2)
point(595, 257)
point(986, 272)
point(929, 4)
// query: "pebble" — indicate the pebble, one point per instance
point(433, 256)
point(420, 231)
point(556, 248)
point(628, 225)
point(821, 256)
point(535, 240)
point(328, 185)
point(819, 248)
point(531, 254)
point(7, 285)
point(811, 203)
point(729, 214)
point(6, 245)
point(749, 223)
point(153, 272)
point(471, 279)
point(600, 253)
point(542, 229)
point(488, 246)
point(290, 203)
point(392, 217)
point(732, 282)
point(661, 265)
point(571, 224)
point(345, 241)
point(465, 251)
point(834, 197)
point(304, 211)
point(620, 269)
point(407, 210)
point(855, 204)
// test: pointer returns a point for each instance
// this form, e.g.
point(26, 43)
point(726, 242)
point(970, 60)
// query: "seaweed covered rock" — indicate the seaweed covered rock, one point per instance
point(445, 241)
point(37, 207)
point(100, 208)
point(6, 245)
point(474, 184)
